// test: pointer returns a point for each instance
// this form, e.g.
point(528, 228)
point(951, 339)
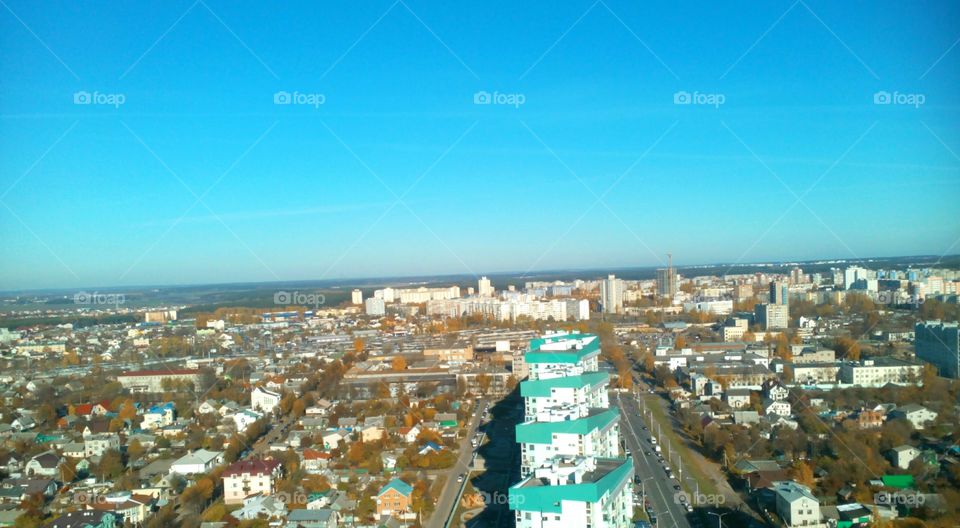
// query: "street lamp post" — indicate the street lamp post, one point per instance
point(697, 482)
point(643, 486)
point(719, 518)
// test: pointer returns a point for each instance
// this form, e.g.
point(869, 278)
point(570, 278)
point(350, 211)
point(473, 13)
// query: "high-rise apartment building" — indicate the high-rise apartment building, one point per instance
point(374, 306)
point(611, 295)
point(571, 471)
point(797, 276)
point(939, 344)
point(852, 275)
point(356, 296)
point(485, 288)
point(779, 293)
point(772, 316)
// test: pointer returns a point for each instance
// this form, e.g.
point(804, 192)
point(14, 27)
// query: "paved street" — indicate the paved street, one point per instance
point(657, 485)
point(447, 501)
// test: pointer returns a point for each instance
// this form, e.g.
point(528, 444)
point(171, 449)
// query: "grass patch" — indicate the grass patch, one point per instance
point(678, 445)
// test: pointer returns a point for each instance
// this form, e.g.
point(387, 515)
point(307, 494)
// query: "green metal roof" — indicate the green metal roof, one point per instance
point(898, 481)
point(402, 487)
point(574, 355)
point(541, 388)
point(542, 432)
point(547, 499)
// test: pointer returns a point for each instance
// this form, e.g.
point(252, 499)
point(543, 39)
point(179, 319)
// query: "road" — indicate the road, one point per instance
point(449, 497)
point(648, 468)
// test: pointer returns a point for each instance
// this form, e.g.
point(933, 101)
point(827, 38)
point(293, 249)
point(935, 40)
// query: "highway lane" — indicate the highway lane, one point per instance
point(657, 485)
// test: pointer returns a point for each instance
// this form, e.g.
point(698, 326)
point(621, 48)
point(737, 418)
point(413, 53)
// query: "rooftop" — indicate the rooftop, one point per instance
point(536, 494)
point(562, 348)
point(542, 432)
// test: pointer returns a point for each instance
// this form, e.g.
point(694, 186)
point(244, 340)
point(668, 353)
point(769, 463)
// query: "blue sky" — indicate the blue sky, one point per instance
point(198, 176)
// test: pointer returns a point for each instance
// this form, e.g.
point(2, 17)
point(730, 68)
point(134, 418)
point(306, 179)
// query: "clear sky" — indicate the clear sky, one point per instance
point(183, 169)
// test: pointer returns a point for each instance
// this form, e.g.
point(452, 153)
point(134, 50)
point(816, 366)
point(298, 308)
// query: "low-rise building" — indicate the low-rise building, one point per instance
point(199, 461)
point(918, 415)
point(878, 372)
point(394, 499)
point(796, 505)
point(249, 477)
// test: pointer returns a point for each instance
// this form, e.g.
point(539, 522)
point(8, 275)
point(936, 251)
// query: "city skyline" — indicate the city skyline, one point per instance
point(209, 143)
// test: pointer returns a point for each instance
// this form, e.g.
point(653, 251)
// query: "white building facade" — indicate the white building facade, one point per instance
point(570, 440)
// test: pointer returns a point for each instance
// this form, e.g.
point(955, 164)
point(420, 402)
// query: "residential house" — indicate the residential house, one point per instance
point(315, 461)
point(918, 415)
point(129, 508)
point(75, 450)
point(245, 418)
point(249, 477)
point(776, 407)
point(159, 416)
point(261, 506)
point(332, 439)
point(773, 390)
point(322, 518)
point(870, 419)
point(393, 500)
point(901, 456)
point(199, 461)
point(409, 434)
point(737, 398)
point(796, 505)
point(372, 433)
point(45, 464)
point(263, 400)
point(86, 519)
point(23, 423)
point(19, 489)
point(208, 407)
point(98, 444)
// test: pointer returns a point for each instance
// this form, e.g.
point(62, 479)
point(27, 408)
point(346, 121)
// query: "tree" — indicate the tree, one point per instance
point(128, 411)
point(68, 470)
point(110, 466)
point(847, 348)
point(399, 364)
point(803, 474)
point(135, 450)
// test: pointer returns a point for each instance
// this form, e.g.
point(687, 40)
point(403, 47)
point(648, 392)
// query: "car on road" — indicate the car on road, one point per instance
point(460, 478)
point(676, 487)
point(689, 507)
point(646, 453)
